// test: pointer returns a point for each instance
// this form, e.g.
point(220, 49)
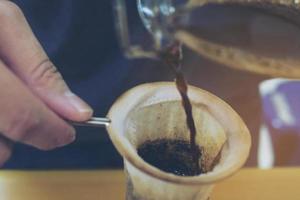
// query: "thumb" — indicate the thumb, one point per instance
point(22, 52)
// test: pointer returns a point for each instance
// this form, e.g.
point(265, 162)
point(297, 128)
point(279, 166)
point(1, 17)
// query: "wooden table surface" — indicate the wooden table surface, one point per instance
point(247, 184)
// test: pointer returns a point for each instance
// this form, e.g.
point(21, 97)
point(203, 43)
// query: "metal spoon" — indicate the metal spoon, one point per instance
point(93, 122)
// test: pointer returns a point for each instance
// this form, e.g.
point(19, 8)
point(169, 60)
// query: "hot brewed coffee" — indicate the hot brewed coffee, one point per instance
point(173, 156)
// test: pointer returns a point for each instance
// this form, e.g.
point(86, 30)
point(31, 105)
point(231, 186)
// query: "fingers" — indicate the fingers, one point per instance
point(26, 119)
point(26, 58)
point(5, 150)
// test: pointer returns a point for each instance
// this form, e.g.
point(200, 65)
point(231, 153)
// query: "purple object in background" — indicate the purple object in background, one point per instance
point(281, 103)
point(281, 108)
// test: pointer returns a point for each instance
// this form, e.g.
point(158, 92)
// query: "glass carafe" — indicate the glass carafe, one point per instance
point(261, 36)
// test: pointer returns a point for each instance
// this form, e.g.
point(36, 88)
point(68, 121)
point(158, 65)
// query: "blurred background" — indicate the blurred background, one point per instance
point(80, 38)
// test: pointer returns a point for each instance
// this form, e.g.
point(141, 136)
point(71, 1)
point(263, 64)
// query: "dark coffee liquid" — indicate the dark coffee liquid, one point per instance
point(173, 57)
point(173, 156)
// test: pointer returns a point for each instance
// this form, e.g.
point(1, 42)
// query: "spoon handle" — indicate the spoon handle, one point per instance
point(93, 122)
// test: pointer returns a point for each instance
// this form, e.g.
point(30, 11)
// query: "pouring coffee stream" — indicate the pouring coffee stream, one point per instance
point(172, 56)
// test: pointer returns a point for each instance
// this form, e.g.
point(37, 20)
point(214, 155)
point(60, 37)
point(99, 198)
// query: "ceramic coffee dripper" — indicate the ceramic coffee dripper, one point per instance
point(154, 111)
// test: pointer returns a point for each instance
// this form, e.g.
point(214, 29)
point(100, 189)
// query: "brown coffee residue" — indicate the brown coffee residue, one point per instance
point(172, 156)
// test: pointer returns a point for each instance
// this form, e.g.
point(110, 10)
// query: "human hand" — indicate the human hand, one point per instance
point(33, 95)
